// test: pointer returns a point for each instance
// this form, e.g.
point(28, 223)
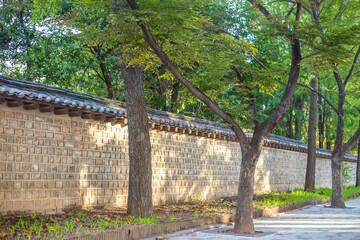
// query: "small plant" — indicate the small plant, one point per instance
point(78, 229)
point(208, 214)
point(80, 215)
point(196, 214)
point(102, 224)
point(12, 230)
point(70, 225)
point(130, 219)
point(171, 218)
point(115, 223)
point(198, 195)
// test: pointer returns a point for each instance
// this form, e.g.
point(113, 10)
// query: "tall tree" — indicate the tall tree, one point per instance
point(341, 148)
point(250, 151)
point(336, 39)
point(140, 174)
point(311, 156)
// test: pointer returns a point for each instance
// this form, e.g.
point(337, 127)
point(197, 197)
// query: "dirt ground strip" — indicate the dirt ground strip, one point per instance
point(114, 223)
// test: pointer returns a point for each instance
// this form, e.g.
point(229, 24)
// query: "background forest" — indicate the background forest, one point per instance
point(228, 52)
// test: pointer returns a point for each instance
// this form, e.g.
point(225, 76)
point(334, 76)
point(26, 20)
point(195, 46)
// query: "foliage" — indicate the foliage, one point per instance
point(208, 40)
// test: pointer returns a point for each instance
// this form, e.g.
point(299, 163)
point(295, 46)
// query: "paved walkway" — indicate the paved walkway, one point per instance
point(313, 222)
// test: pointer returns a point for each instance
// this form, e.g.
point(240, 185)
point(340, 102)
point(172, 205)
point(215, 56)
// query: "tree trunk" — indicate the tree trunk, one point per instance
point(337, 197)
point(289, 124)
point(328, 135)
point(321, 123)
point(311, 156)
point(321, 129)
point(174, 96)
point(299, 115)
point(358, 167)
point(107, 80)
point(140, 175)
point(244, 217)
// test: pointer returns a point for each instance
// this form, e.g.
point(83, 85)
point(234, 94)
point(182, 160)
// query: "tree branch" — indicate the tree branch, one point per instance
point(351, 143)
point(337, 76)
point(251, 55)
point(291, 10)
point(324, 77)
point(269, 124)
point(251, 95)
point(352, 67)
point(262, 9)
point(322, 96)
point(310, 55)
point(188, 85)
point(102, 78)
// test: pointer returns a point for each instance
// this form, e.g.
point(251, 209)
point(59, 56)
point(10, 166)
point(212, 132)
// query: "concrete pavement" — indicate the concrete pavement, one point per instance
point(312, 222)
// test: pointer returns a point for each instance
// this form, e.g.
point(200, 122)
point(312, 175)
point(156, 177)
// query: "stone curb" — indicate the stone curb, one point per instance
point(191, 225)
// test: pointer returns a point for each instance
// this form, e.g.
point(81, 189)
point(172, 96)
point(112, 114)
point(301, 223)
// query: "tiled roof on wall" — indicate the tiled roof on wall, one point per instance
point(30, 96)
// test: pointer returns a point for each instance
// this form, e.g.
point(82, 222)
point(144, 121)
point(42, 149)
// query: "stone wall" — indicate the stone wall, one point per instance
point(50, 162)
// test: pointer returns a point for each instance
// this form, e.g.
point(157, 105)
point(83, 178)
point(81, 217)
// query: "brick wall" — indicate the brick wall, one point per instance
point(50, 162)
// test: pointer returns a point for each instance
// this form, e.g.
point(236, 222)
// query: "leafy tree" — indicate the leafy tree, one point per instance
point(250, 151)
point(336, 36)
point(54, 54)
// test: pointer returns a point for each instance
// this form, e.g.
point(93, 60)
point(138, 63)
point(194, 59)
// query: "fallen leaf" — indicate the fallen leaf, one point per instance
point(221, 231)
point(159, 238)
point(194, 235)
point(279, 234)
point(45, 225)
point(63, 215)
point(77, 220)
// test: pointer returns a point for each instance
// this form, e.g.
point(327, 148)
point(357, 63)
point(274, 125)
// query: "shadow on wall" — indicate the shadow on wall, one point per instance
point(104, 164)
point(193, 168)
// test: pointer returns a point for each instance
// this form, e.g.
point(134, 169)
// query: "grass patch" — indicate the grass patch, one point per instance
point(76, 222)
point(66, 225)
point(277, 199)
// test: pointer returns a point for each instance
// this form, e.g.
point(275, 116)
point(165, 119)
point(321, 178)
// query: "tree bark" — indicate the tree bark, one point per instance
point(174, 96)
point(140, 175)
point(358, 167)
point(337, 197)
point(107, 80)
point(289, 125)
point(321, 125)
point(244, 218)
point(328, 134)
point(298, 106)
point(311, 156)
